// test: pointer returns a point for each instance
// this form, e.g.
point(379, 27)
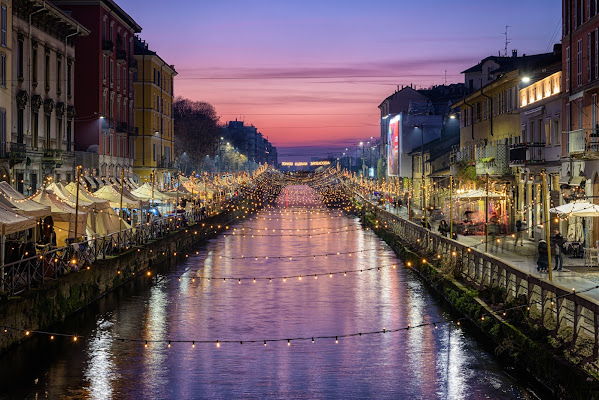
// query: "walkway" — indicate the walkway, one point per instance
point(525, 258)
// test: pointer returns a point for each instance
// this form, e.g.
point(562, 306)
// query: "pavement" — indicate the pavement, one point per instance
point(575, 275)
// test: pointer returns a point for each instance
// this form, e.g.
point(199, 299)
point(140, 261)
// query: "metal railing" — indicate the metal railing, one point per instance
point(576, 141)
point(557, 307)
point(50, 263)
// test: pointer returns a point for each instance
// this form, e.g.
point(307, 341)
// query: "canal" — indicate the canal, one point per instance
point(180, 304)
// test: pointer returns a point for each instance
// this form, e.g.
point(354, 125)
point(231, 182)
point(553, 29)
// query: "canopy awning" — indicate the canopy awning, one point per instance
point(111, 194)
point(12, 222)
point(577, 209)
point(15, 201)
point(480, 194)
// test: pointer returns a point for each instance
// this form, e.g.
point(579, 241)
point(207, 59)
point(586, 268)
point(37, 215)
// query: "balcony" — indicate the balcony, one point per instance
point(133, 65)
point(107, 47)
point(121, 57)
point(492, 160)
point(523, 154)
point(583, 144)
point(52, 158)
point(121, 127)
point(18, 152)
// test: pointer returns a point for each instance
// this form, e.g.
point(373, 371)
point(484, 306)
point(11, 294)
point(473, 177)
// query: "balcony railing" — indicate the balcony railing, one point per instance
point(133, 64)
point(121, 57)
point(522, 154)
point(52, 157)
point(107, 47)
point(576, 141)
point(492, 160)
point(18, 152)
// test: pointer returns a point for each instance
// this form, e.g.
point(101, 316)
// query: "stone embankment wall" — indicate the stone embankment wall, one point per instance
point(541, 340)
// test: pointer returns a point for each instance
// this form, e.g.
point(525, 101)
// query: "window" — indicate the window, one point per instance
point(579, 105)
point(20, 125)
point(154, 151)
point(35, 129)
point(589, 57)
point(110, 69)
point(3, 25)
point(58, 75)
point(3, 70)
point(59, 132)
point(557, 131)
point(548, 132)
point(47, 70)
point(594, 125)
point(69, 78)
point(118, 110)
point(579, 64)
point(69, 133)
point(104, 103)
point(568, 68)
point(110, 107)
point(20, 56)
point(3, 131)
point(48, 127)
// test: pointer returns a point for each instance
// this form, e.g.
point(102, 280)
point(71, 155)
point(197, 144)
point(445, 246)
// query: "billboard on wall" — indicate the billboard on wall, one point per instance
point(393, 146)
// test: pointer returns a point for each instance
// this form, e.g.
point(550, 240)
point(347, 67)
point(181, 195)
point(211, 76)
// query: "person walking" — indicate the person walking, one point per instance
point(557, 243)
point(518, 233)
point(493, 230)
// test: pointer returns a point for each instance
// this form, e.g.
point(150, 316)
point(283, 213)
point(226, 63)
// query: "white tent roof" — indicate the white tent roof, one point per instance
point(577, 209)
point(61, 211)
point(145, 192)
point(86, 196)
point(479, 194)
point(109, 193)
point(64, 195)
point(12, 222)
point(15, 201)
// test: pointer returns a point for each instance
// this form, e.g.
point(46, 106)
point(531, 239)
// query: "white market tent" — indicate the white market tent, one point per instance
point(479, 194)
point(577, 209)
point(15, 201)
point(102, 218)
point(63, 215)
point(11, 222)
point(112, 195)
point(145, 192)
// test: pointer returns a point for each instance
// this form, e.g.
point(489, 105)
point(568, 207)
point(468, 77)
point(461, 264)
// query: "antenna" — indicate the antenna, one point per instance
point(507, 40)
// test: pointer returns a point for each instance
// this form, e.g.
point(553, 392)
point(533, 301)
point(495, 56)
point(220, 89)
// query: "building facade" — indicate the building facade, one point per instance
point(42, 133)
point(105, 122)
point(153, 114)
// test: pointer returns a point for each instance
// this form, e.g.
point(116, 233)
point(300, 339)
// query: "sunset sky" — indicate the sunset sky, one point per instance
point(312, 72)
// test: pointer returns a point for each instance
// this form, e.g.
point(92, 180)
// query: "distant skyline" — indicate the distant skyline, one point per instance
point(312, 72)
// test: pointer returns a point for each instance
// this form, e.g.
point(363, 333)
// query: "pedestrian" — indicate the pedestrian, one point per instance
point(443, 228)
point(542, 260)
point(493, 229)
point(557, 243)
point(518, 233)
point(425, 223)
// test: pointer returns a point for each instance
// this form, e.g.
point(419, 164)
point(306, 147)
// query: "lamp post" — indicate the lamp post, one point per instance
point(421, 127)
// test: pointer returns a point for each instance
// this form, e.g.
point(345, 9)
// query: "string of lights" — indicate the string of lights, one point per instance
point(291, 257)
point(75, 337)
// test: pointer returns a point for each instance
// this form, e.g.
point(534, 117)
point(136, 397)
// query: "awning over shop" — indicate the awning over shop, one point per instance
point(577, 209)
point(480, 194)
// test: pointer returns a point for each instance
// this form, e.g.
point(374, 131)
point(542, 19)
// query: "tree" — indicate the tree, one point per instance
point(196, 131)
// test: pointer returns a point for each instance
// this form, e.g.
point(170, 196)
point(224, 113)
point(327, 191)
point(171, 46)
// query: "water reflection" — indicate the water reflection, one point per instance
point(417, 363)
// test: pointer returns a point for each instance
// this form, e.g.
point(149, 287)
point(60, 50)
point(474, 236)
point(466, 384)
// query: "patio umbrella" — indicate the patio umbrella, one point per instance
point(479, 194)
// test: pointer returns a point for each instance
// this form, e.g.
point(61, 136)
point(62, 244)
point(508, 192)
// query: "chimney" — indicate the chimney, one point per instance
point(515, 53)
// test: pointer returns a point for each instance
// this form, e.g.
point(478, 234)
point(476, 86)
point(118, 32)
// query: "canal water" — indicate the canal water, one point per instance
point(297, 237)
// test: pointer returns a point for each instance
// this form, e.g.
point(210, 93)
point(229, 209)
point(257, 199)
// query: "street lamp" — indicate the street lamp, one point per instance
point(421, 127)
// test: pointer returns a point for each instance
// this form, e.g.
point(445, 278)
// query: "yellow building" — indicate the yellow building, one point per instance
point(154, 95)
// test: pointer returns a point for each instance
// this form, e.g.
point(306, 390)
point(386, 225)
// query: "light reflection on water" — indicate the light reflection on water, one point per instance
point(418, 363)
